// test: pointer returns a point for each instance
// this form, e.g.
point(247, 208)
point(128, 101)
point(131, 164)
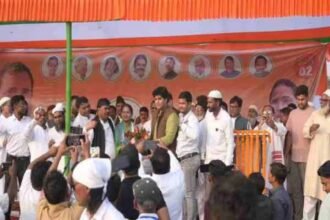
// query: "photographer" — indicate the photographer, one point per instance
point(57, 204)
point(31, 187)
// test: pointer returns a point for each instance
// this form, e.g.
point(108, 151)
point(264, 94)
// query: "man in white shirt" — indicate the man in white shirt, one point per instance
point(145, 122)
point(275, 142)
point(146, 167)
point(15, 130)
point(37, 133)
point(188, 152)
point(101, 130)
point(56, 133)
point(31, 187)
point(220, 139)
point(5, 113)
point(171, 184)
point(84, 115)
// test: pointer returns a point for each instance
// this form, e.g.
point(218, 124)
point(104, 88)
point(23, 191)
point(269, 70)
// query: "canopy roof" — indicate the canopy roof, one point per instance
point(155, 10)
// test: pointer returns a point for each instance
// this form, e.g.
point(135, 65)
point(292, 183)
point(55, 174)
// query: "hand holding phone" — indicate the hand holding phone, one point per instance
point(74, 139)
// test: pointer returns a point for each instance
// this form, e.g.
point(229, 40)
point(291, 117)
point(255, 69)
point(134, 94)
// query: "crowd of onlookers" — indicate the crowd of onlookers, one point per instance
point(175, 160)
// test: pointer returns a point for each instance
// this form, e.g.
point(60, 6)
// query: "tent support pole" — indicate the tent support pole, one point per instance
point(68, 77)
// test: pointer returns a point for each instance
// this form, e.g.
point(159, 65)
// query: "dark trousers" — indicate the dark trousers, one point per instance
point(22, 164)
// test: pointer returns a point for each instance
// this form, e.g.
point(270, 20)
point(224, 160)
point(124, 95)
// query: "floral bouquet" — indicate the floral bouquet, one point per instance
point(137, 135)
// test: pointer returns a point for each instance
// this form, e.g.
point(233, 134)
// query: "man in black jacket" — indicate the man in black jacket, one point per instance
point(101, 130)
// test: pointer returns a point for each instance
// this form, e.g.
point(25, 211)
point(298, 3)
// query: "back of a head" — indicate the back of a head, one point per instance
point(292, 106)
point(147, 195)
point(38, 173)
point(162, 92)
point(224, 105)
point(258, 181)
point(74, 97)
point(286, 111)
point(324, 170)
point(81, 100)
point(202, 101)
point(55, 188)
point(279, 171)
point(234, 198)
point(113, 187)
point(218, 169)
point(120, 99)
point(133, 156)
point(301, 90)
point(160, 161)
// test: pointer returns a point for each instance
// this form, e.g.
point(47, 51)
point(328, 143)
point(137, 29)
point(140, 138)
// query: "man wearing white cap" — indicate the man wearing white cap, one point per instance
point(56, 133)
point(253, 116)
point(90, 179)
point(325, 98)
point(220, 139)
point(37, 134)
point(317, 129)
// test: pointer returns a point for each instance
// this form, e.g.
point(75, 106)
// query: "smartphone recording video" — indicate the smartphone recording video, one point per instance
point(74, 139)
point(76, 130)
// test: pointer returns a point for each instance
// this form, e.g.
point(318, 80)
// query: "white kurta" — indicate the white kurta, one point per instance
point(274, 146)
point(38, 140)
point(105, 211)
point(219, 138)
point(172, 186)
point(319, 152)
point(325, 208)
point(58, 137)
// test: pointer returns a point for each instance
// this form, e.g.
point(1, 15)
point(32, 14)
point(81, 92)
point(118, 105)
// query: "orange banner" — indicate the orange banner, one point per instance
point(247, 70)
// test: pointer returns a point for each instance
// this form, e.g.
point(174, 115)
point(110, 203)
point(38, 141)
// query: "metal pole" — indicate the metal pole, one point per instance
point(68, 76)
point(68, 90)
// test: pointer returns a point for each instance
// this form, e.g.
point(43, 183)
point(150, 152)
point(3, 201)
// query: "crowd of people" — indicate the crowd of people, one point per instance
point(175, 161)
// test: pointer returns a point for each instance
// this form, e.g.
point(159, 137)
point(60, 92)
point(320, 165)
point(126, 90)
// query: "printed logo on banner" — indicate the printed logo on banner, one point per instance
point(305, 65)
